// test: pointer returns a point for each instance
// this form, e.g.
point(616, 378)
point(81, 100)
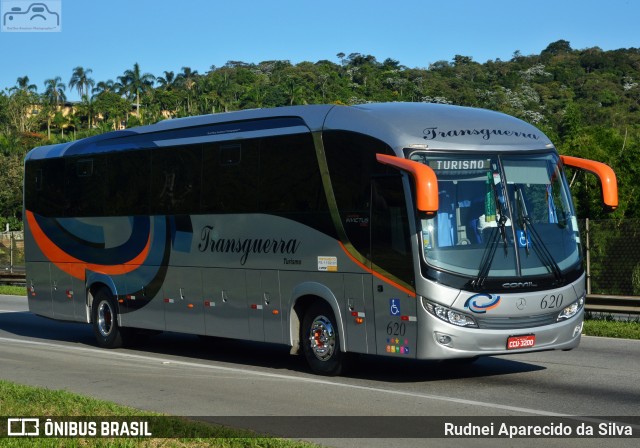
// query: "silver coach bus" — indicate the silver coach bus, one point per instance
point(406, 230)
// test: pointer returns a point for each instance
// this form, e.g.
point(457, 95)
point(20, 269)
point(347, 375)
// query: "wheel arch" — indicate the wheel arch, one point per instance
point(304, 295)
point(96, 281)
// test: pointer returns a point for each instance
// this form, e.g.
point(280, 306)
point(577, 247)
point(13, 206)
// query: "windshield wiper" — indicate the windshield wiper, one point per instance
point(539, 246)
point(502, 219)
point(523, 218)
point(492, 246)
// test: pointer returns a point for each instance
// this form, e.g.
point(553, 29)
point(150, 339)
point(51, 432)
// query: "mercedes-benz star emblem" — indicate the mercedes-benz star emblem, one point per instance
point(521, 304)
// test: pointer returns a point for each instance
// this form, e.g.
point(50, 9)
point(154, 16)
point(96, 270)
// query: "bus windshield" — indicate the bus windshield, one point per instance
point(500, 216)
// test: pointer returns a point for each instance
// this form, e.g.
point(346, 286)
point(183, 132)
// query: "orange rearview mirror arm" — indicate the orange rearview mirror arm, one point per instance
point(604, 172)
point(425, 179)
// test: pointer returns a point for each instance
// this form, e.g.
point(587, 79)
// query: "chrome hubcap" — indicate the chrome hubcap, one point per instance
point(322, 338)
point(105, 318)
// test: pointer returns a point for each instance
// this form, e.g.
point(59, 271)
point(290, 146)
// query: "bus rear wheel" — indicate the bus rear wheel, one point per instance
point(105, 321)
point(321, 341)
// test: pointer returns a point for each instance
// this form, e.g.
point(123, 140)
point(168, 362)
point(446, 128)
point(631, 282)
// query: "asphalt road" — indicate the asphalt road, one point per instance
point(184, 375)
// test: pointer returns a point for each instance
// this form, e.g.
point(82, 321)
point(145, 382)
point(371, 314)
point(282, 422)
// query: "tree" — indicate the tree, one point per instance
point(557, 47)
point(106, 86)
point(112, 107)
point(166, 81)
point(187, 79)
point(22, 84)
point(87, 108)
point(134, 83)
point(11, 166)
point(20, 109)
point(54, 91)
point(53, 98)
point(80, 80)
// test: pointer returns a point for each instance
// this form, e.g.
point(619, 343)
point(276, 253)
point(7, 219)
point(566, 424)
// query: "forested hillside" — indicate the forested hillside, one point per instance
point(587, 101)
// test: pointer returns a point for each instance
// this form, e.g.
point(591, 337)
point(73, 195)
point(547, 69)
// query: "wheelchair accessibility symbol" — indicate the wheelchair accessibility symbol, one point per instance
point(523, 239)
point(394, 307)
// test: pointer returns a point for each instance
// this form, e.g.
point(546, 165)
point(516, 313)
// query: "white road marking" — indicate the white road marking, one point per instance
point(319, 381)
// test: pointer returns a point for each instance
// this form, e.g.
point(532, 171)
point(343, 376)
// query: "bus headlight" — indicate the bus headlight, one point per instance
point(448, 315)
point(571, 310)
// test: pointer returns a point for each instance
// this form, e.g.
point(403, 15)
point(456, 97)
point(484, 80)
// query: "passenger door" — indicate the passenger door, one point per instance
point(392, 262)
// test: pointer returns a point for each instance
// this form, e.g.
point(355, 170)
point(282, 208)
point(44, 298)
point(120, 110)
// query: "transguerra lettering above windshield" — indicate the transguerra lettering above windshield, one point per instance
point(486, 134)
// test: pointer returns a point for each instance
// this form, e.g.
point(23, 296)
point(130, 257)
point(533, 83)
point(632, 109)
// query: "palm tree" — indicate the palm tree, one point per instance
point(106, 86)
point(81, 81)
point(187, 79)
point(61, 121)
point(134, 83)
point(22, 84)
point(167, 81)
point(53, 96)
point(54, 91)
point(88, 108)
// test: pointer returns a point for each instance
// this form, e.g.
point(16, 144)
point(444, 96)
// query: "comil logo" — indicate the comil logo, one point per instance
point(20, 16)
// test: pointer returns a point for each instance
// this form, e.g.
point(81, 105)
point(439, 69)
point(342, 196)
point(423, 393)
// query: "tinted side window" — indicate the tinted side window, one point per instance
point(85, 189)
point(352, 165)
point(44, 187)
point(128, 183)
point(175, 180)
point(290, 181)
point(390, 248)
point(230, 173)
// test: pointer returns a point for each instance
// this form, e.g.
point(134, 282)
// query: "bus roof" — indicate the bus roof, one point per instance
point(400, 125)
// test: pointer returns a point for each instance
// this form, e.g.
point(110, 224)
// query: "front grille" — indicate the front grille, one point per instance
point(507, 323)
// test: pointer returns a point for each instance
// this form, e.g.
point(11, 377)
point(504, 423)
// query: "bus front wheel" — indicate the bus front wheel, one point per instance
point(105, 320)
point(321, 341)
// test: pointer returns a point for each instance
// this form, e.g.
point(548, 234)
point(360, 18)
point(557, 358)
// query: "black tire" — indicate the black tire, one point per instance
point(104, 315)
point(320, 340)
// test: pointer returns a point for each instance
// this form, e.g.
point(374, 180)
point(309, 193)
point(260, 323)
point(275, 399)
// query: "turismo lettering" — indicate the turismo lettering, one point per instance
point(460, 164)
point(245, 246)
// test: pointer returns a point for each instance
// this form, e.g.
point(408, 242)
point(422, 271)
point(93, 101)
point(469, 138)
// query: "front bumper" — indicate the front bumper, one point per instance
point(461, 342)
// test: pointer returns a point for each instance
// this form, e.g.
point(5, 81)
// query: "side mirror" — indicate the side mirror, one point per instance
point(607, 177)
point(425, 180)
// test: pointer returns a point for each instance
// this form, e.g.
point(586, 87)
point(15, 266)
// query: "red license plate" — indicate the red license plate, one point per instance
point(517, 342)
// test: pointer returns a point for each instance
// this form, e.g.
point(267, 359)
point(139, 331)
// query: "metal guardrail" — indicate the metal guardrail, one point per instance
point(596, 303)
point(13, 278)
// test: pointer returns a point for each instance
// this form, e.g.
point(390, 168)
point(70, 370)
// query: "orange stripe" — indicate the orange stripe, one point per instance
point(376, 274)
point(74, 266)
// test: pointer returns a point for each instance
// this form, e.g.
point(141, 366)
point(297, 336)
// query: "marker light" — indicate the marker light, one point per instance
point(448, 315)
point(571, 310)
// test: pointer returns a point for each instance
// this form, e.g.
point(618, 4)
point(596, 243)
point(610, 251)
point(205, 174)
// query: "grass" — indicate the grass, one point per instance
point(10, 290)
point(605, 325)
point(24, 401)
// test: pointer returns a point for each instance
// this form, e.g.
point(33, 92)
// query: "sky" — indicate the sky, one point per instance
point(108, 37)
